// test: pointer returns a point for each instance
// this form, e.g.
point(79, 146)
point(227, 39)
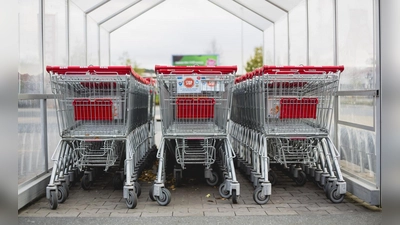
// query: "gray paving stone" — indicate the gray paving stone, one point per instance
point(131, 214)
point(279, 212)
point(317, 212)
point(275, 206)
point(155, 214)
point(244, 213)
point(76, 206)
point(85, 214)
point(178, 213)
point(96, 206)
point(191, 200)
point(91, 211)
point(303, 205)
point(228, 206)
point(321, 208)
point(113, 210)
point(235, 210)
point(48, 210)
point(292, 201)
point(238, 206)
point(231, 213)
point(337, 212)
point(204, 210)
point(36, 214)
point(68, 214)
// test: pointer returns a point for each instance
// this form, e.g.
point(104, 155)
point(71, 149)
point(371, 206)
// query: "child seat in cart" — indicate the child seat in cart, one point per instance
point(195, 103)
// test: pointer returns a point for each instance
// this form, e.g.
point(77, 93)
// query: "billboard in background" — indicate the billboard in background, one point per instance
point(195, 60)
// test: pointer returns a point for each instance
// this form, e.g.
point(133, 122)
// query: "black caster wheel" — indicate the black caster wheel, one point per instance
point(151, 195)
point(301, 179)
point(66, 187)
point(165, 197)
point(334, 195)
point(138, 189)
point(234, 197)
point(178, 179)
point(85, 183)
point(272, 177)
point(131, 201)
point(259, 198)
point(223, 192)
point(62, 194)
point(117, 182)
point(53, 200)
point(213, 180)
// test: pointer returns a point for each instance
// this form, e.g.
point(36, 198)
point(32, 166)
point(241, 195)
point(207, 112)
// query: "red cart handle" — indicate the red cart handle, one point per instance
point(97, 70)
point(302, 69)
point(160, 69)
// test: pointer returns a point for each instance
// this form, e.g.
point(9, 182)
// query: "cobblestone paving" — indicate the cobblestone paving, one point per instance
point(192, 200)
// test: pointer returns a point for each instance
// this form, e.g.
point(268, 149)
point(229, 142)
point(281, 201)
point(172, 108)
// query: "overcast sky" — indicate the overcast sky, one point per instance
point(184, 27)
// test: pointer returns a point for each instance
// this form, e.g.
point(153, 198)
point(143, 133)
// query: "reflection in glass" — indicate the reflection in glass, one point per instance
point(30, 155)
point(356, 44)
point(357, 109)
point(357, 152)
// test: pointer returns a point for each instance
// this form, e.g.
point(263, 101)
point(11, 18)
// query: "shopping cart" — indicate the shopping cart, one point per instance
point(288, 112)
point(195, 103)
point(105, 118)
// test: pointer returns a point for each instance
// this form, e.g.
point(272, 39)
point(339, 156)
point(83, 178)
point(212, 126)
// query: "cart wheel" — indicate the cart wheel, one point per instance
point(85, 183)
point(178, 179)
point(72, 183)
point(259, 198)
point(272, 177)
point(138, 189)
point(334, 195)
point(234, 197)
point(213, 180)
point(164, 198)
point(151, 195)
point(53, 200)
point(62, 194)
point(117, 182)
point(301, 179)
point(318, 184)
point(131, 201)
point(66, 187)
point(327, 188)
point(223, 192)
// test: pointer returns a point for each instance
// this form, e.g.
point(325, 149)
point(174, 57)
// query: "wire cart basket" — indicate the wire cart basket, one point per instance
point(195, 103)
point(281, 115)
point(105, 118)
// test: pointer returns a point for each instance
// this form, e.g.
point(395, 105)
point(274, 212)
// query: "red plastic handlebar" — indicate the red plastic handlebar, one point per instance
point(195, 69)
point(98, 70)
point(302, 69)
point(289, 70)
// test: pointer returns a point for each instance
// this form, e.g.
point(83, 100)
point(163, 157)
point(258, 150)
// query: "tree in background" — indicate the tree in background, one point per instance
point(126, 60)
point(255, 61)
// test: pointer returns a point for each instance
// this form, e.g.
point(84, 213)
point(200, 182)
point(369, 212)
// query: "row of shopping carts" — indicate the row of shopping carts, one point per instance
point(106, 122)
point(273, 115)
point(281, 117)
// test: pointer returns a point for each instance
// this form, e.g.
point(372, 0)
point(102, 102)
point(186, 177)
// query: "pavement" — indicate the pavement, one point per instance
point(197, 203)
